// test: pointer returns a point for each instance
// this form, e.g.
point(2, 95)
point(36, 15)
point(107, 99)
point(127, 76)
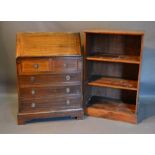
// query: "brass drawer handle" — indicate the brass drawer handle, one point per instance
point(68, 77)
point(65, 65)
point(32, 78)
point(68, 102)
point(33, 105)
point(67, 90)
point(33, 92)
point(36, 66)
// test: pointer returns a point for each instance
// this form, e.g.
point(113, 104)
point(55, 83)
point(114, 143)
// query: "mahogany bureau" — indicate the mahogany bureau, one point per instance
point(49, 74)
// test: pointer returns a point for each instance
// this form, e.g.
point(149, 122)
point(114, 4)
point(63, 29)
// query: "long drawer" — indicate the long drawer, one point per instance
point(34, 92)
point(50, 79)
point(50, 104)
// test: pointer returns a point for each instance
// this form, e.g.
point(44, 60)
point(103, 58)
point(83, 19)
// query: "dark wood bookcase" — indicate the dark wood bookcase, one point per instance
point(112, 62)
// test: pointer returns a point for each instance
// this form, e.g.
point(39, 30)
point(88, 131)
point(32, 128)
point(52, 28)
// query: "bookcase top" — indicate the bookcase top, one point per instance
point(114, 31)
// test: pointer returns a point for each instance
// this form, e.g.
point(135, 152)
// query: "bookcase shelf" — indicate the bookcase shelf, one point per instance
point(115, 58)
point(114, 83)
point(112, 109)
point(112, 62)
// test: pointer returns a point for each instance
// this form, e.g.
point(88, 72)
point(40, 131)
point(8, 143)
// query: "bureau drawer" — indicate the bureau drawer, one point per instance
point(34, 65)
point(35, 92)
point(50, 104)
point(53, 79)
point(65, 64)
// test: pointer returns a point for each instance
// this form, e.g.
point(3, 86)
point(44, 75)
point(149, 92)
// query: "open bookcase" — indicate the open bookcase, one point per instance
point(112, 62)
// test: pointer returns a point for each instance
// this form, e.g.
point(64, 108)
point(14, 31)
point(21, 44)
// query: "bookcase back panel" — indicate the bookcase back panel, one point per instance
point(118, 70)
point(126, 96)
point(110, 44)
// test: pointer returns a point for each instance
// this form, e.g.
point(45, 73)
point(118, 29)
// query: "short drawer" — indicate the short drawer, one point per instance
point(37, 92)
point(50, 104)
point(47, 79)
point(66, 64)
point(34, 65)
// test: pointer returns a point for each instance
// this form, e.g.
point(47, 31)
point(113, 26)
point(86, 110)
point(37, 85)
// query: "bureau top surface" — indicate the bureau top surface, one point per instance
point(47, 44)
point(116, 31)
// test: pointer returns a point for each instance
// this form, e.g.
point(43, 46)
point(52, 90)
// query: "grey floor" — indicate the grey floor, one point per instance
point(8, 111)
